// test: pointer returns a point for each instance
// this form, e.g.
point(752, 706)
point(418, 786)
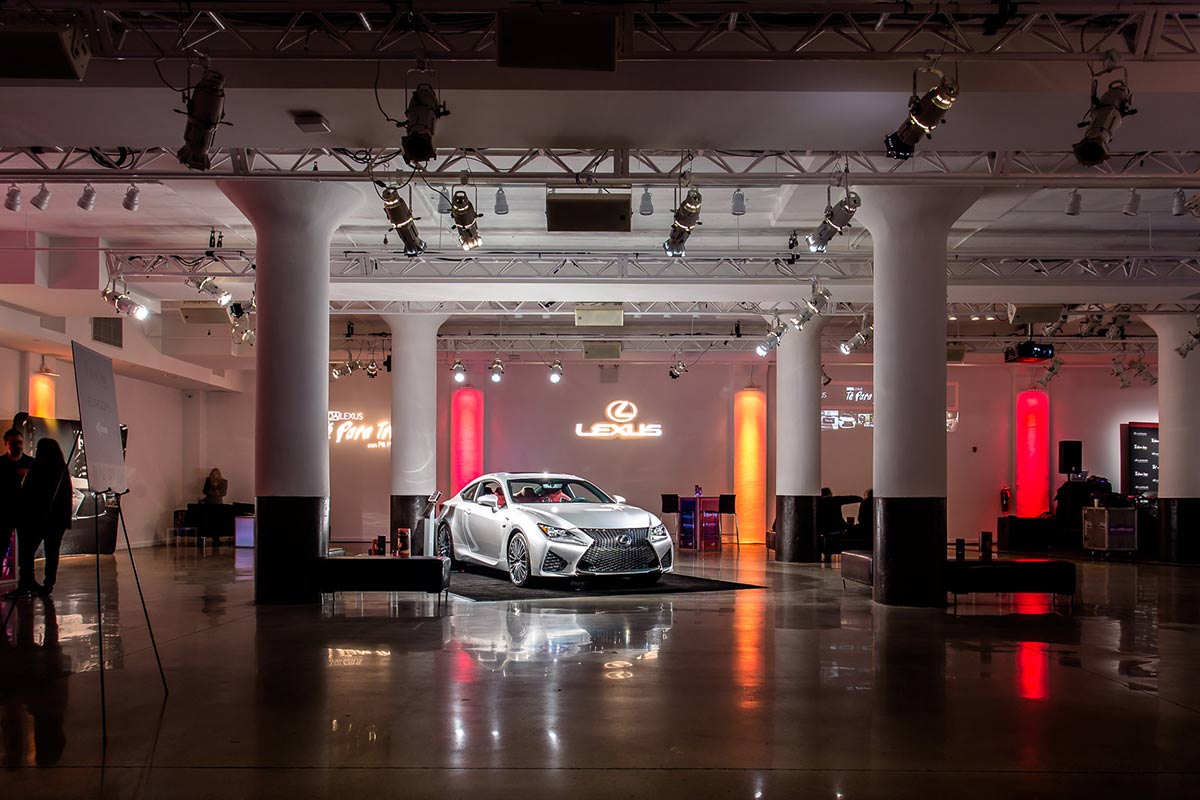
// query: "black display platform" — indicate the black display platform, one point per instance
point(491, 585)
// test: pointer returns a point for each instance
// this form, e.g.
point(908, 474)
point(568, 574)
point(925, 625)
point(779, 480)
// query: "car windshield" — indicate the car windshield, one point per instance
point(555, 490)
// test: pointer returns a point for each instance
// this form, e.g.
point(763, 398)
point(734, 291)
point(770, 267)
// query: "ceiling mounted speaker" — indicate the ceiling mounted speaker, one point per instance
point(956, 352)
point(35, 49)
point(1034, 315)
point(609, 351)
point(548, 40)
point(596, 213)
point(598, 315)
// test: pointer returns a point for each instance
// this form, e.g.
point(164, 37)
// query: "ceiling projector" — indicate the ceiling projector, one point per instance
point(1028, 352)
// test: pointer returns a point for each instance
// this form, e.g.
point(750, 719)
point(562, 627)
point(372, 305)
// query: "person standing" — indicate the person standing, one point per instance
point(14, 465)
point(215, 487)
point(45, 515)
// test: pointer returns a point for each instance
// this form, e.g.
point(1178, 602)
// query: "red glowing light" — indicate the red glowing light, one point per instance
point(1033, 671)
point(466, 437)
point(1033, 454)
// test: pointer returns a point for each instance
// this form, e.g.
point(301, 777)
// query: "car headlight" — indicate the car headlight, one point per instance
point(560, 534)
point(658, 533)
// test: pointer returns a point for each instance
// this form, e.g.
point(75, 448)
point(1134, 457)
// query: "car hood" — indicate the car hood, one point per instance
point(589, 515)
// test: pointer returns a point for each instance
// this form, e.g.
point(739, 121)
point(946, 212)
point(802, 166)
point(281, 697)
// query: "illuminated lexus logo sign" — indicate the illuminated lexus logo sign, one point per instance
point(621, 415)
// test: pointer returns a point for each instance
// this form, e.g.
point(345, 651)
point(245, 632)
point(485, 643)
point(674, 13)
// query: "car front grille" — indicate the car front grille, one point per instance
point(618, 550)
point(553, 562)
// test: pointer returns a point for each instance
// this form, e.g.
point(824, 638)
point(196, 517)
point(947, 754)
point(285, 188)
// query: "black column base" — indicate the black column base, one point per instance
point(796, 536)
point(291, 533)
point(1179, 529)
point(406, 513)
point(910, 551)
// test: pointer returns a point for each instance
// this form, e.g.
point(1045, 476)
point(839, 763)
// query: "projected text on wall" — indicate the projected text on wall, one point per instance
point(351, 427)
point(849, 405)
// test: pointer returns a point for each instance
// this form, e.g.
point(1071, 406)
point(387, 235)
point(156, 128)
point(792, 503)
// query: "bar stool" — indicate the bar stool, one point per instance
point(727, 507)
point(670, 505)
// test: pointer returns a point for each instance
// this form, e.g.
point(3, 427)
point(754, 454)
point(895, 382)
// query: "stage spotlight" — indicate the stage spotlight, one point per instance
point(403, 222)
point(497, 370)
point(420, 119)
point(249, 336)
point(1053, 328)
point(1179, 203)
point(501, 207)
point(856, 341)
point(1132, 203)
point(12, 201)
point(687, 216)
point(737, 205)
point(124, 305)
point(677, 370)
point(459, 371)
point(372, 368)
point(1051, 371)
point(952, 317)
point(811, 308)
point(924, 114)
point(335, 372)
point(1116, 328)
point(825, 379)
point(466, 221)
point(205, 110)
point(41, 199)
point(1074, 203)
point(771, 341)
point(1091, 325)
point(837, 219)
point(87, 198)
point(556, 372)
point(133, 199)
point(1190, 344)
point(1141, 369)
point(1102, 121)
point(646, 208)
point(1121, 372)
point(208, 285)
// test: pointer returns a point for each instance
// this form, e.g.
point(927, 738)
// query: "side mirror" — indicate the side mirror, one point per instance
point(620, 500)
point(488, 501)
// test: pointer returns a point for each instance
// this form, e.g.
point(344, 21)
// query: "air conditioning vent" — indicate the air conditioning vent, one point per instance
point(599, 315)
point(109, 330)
point(204, 314)
point(607, 351)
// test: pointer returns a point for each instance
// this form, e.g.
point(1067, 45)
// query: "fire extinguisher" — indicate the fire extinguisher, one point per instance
point(1005, 498)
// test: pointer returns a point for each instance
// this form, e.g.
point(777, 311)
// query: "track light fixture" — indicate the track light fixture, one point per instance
point(133, 199)
point(1116, 328)
point(858, 340)
point(1192, 340)
point(459, 371)
point(1132, 203)
point(1091, 325)
point(1179, 203)
point(123, 304)
point(556, 372)
point(501, 207)
point(1104, 116)
point(825, 379)
point(420, 119)
point(646, 206)
point(837, 219)
point(771, 340)
point(1053, 328)
point(372, 368)
point(205, 111)
point(41, 199)
point(403, 222)
point(687, 216)
point(1141, 369)
point(45, 369)
point(87, 198)
point(1121, 372)
point(676, 371)
point(812, 307)
point(1074, 203)
point(1051, 371)
point(12, 200)
point(466, 221)
point(497, 370)
point(924, 114)
point(737, 205)
point(208, 285)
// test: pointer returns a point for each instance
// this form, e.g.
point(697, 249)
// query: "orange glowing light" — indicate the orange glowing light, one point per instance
point(41, 396)
point(750, 463)
point(749, 626)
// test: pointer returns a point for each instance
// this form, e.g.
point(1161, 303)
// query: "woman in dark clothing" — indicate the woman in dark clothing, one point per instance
point(46, 514)
point(215, 487)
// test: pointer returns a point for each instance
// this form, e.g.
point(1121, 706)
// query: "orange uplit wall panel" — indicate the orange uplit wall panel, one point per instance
point(466, 437)
point(750, 463)
point(1033, 454)
point(41, 396)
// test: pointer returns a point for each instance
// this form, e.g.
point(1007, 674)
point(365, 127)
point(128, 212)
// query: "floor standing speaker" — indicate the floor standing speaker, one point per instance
point(1070, 457)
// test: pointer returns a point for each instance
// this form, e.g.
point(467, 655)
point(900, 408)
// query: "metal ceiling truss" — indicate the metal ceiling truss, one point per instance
point(649, 31)
point(608, 168)
point(648, 268)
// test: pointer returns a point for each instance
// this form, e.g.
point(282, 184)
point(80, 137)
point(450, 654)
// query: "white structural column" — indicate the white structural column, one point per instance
point(1178, 438)
point(798, 443)
point(909, 226)
point(294, 223)
point(414, 420)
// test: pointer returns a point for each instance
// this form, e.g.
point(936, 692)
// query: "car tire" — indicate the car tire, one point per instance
point(444, 545)
point(516, 553)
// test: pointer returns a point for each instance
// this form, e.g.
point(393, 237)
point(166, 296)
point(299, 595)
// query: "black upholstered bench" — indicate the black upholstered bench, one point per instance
point(1012, 576)
point(430, 574)
point(858, 566)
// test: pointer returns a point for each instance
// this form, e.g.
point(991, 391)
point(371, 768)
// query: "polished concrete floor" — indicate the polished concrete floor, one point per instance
point(800, 689)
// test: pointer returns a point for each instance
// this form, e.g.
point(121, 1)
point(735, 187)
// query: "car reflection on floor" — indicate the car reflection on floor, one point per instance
point(499, 634)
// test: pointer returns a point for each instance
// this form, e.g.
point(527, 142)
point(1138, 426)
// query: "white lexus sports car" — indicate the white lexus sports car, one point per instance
point(537, 525)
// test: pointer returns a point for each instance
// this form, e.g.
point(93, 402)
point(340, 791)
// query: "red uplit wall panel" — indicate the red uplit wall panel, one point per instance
point(466, 437)
point(1033, 454)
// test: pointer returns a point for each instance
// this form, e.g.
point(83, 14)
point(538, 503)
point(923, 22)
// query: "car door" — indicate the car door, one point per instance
point(487, 526)
point(464, 506)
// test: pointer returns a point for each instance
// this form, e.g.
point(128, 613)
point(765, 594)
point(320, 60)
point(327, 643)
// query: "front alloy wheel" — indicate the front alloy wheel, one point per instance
point(518, 560)
point(444, 545)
